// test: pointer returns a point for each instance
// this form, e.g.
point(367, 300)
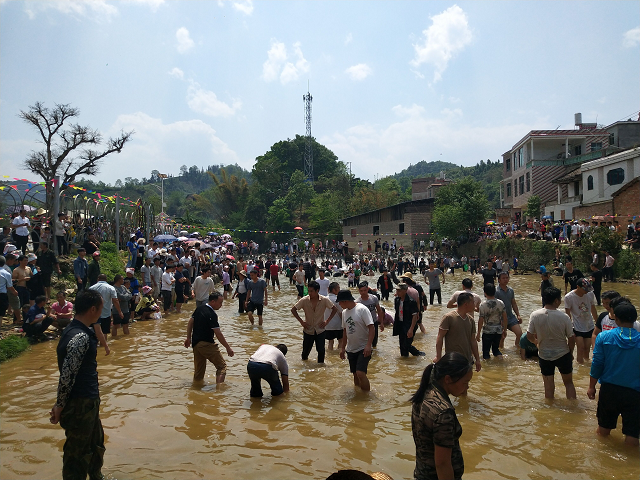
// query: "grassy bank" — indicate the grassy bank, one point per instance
point(12, 346)
point(533, 253)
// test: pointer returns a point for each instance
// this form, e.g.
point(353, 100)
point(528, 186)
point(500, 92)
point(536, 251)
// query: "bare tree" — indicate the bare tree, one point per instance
point(68, 146)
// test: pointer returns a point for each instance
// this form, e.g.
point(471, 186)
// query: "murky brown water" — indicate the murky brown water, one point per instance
point(159, 426)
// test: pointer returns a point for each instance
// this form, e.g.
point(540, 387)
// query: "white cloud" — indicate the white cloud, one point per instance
point(176, 72)
point(349, 38)
point(448, 34)
point(156, 145)
point(631, 38)
point(95, 9)
point(359, 72)
point(206, 102)
point(184, 40)
point(277, 65)
point(245, 6)
point(417, 135)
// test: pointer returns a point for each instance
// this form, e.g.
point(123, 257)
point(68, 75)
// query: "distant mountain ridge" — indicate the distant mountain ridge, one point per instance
point(424, 169)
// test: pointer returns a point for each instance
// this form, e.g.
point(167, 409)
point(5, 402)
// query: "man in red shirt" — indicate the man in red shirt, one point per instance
point(273, 272)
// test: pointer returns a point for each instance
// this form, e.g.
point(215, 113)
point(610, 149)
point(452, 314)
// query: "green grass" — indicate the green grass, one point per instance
point(12, 346)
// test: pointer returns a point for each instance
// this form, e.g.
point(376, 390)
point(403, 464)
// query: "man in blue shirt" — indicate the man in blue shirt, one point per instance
point(616, 364)
point(6, 286)
point(37, 319)
point(81, 269)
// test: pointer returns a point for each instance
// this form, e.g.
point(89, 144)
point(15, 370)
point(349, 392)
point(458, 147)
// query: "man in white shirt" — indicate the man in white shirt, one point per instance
point(357, 337)
point(265, 365)
point(165, 288)
point(21, 226)
point(607, 271)
point(467, 285)
point(333, 327)
point(203, 287)
point(553, 332)
point(580, 305)
point(323, 282)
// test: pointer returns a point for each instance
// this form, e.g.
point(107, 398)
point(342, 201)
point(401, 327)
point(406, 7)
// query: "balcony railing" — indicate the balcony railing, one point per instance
point(575, 160)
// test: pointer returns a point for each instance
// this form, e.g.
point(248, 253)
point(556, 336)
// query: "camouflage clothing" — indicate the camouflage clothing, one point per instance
point(434, 422)
point(84, 447)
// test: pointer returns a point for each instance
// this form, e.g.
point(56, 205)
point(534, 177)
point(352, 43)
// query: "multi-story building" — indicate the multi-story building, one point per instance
point(546, 163)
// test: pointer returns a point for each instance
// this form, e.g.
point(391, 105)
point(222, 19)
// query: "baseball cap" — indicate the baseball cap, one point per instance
point(344, 296)
point(96, 253)
point(584, 284)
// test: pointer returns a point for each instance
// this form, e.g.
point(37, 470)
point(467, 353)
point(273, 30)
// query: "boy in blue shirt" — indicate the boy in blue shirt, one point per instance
point(616, 364)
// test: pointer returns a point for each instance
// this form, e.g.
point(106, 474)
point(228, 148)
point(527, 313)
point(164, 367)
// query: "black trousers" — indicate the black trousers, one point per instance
point(307, 343)
point(406, 344)
point(21, 242)
point(166, 299)
point(4, 303)
point(432, 293)
point(62, 245)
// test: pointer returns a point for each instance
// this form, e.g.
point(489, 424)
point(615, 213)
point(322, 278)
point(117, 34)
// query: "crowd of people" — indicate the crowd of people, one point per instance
point(160, 278)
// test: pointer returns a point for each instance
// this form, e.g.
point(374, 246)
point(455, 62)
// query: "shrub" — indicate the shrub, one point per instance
point(111, 260)
point(627, 265)
point(12, 346)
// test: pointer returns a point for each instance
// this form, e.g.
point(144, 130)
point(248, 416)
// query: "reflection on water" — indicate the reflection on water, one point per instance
point(158, 424)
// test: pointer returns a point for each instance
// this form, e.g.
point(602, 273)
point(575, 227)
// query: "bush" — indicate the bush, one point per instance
point(112, 262)
point(12, 346)
point(627, 265)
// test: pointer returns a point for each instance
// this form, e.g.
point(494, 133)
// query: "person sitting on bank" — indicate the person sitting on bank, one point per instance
point(37, 319)
point(62, 311)
point(265, 365)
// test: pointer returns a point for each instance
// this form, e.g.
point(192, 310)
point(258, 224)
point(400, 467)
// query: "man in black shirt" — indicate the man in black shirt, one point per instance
point(203, 324)
point(489, 274)
point(47, 262)
point(77, 406)
point(596, 281)
point(571, 276)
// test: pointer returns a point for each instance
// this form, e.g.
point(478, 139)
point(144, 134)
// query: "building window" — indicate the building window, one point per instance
point(612, 139)
point(522, 185)
point(508, 164)
point(590, 182)
point(576, 189)
point(376, 229)
point(595, 146)
point(401, 227)
point(577, 150)
point(509, 189)
point(354, 232)
point(528, 182)
point(615, 176)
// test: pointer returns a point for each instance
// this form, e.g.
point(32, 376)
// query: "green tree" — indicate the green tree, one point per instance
point(533, 206)
point(461, 208)
point(299, 194)
point(229, 194)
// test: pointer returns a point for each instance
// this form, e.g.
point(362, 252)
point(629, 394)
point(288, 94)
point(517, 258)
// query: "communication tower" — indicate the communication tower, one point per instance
point(308, 145)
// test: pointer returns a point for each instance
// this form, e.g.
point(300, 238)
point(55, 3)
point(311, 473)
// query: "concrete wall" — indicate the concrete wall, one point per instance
point(595, 209)
point(601, 189)
point(626, 134)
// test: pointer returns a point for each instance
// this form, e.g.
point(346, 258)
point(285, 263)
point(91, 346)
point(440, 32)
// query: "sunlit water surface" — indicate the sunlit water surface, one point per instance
point(159, 425)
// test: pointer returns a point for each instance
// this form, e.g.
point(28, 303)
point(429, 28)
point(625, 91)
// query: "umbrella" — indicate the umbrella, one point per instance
point(194, 234)
point(212, 233)
point(184, 232)
point(491, 222)
point(231, 257)
point(183, 239)
point(165, 238)
point(226, 235)
point(229, 244)
point(298, 228)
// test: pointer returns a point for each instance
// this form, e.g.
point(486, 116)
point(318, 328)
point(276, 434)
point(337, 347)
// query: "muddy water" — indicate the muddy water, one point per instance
point(158, 425)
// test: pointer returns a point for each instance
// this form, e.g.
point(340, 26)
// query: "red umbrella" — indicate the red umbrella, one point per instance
point(298, 228)
point(231, 257)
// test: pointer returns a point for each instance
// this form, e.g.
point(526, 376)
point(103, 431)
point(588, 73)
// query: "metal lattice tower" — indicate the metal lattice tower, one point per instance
point(308, 145)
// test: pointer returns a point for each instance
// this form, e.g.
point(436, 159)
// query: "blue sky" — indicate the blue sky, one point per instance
point(393, 83)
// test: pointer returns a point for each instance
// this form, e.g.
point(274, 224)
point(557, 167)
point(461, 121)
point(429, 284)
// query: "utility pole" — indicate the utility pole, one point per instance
point(308, 145)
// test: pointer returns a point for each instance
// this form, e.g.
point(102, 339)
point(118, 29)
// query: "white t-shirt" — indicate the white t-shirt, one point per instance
point(167, 277)
point(202, 287)
point(272, 356)
point(356, 321)
point(22, 231)
point(552, 328)
point(324, 286)
point(580, 308)
point(336, 321)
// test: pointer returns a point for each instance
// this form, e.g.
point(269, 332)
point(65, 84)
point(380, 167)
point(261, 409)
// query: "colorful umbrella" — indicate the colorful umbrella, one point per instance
point(491, 222)
point(231, 257)
point(298, 228)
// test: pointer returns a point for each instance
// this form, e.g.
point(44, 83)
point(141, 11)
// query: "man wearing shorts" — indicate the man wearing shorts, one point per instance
point(580, 305)
point(265, 365)
point(616, 365)
point(257, 296)
point(333, 329)
point(202, 326)
point(357, 337)
point(109, 294)
point(552, 331)
point(508, 297)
